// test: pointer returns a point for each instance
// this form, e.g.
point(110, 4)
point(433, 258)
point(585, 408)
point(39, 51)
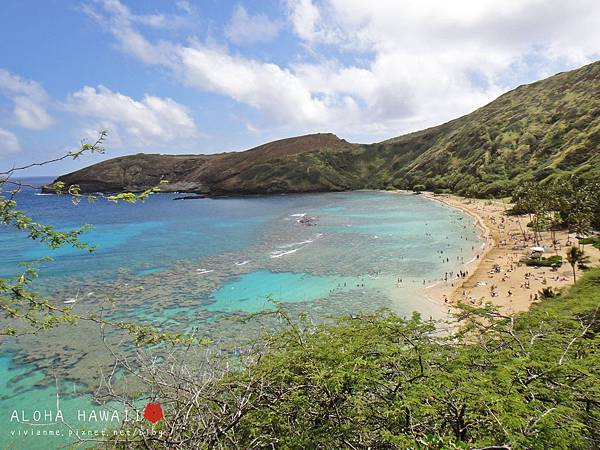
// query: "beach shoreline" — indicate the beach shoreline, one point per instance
point(497, 276)
point(448, 291)
point(443, 292)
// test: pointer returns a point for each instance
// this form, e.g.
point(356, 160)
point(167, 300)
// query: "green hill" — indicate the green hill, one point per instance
point(535, 132)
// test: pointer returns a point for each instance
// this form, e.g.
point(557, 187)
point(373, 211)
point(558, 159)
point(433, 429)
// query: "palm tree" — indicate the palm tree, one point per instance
point(575, 257)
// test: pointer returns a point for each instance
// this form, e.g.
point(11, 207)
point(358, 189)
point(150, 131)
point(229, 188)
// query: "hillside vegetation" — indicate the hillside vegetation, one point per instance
point(537, 132)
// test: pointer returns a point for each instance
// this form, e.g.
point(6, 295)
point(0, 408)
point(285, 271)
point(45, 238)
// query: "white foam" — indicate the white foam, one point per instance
point(242, 263)
point(298, 215)
point(279, 254)
point(302, 243)
point(295, 244)
point(203, 271)
point(471, 260)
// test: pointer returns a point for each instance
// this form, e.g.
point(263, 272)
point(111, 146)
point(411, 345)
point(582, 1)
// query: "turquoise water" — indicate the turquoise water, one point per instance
point(200, 264)
point(21, 399)
point(260, 290)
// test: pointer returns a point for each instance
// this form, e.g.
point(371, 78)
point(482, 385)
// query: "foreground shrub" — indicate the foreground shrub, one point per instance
point(379, 381)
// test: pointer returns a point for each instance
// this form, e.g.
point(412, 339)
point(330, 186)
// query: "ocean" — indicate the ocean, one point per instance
point(198, 265)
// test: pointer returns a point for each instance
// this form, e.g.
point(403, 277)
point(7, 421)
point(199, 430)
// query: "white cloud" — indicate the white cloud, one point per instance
point(308, 23)
point(304, 16)
point(275, 91)
point(430, 61)
point(30, 101)
point(150, 122)
point(8, 142)
point(248, 29)
point(406, 65)
point(157, 20)
point(184, 5)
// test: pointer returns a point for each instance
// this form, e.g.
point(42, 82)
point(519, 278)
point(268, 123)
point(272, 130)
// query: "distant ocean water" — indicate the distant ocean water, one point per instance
point(198, 262)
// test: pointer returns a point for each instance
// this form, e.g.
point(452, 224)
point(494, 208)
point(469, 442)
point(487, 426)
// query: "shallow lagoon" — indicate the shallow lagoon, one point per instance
point(202, 263)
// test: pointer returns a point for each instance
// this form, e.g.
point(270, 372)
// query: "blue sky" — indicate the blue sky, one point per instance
point(202, 76)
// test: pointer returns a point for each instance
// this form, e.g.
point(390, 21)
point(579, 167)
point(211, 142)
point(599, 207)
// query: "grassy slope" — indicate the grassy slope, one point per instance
point(547, 129)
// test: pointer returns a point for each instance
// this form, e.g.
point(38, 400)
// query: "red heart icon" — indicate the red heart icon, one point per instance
point(153, 412)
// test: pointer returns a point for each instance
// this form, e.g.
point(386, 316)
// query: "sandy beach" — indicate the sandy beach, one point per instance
point(497, 276)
